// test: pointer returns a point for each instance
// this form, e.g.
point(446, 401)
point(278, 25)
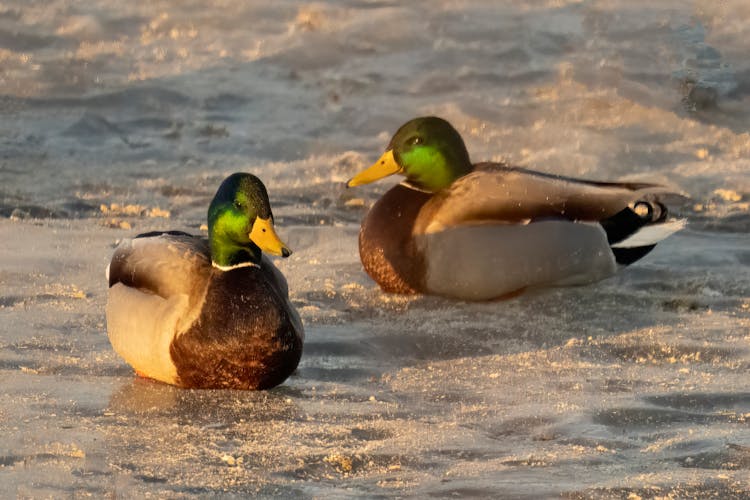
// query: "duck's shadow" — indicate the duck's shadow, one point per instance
point(141, 397)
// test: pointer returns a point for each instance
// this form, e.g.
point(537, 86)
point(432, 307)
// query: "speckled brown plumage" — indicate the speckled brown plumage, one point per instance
point(244, 337)
point(385, 241)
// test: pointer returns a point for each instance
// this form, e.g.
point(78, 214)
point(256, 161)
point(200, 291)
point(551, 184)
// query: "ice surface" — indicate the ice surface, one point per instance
point(119, 118)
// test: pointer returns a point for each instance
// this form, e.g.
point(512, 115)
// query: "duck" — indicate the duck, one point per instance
point(490, 230)
point(207, 313)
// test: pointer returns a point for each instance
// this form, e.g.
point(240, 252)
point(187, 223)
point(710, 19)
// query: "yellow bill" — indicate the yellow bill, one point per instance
point(264, 235)
point(384, 167)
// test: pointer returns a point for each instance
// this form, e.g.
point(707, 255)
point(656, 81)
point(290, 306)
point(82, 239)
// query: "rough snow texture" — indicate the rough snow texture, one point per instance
point(119, 118)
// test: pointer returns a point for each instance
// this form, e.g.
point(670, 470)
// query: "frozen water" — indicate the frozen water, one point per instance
point(118, 118)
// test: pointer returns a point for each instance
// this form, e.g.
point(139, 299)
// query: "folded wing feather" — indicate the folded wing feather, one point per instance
point(507, 194)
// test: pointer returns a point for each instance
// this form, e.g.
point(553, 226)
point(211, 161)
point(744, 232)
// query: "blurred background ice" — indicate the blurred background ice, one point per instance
point(120, 117)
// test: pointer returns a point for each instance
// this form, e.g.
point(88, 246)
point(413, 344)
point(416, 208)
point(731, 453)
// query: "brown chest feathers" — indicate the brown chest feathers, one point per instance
point(386, 247)
point(243, 339)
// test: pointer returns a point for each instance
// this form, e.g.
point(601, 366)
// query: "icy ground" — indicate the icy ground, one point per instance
point(119, 118)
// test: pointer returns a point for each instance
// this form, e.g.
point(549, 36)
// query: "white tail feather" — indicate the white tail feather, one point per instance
point(651, 234)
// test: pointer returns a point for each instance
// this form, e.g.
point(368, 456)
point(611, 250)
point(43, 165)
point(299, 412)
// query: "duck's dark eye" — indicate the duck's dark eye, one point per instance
point(238, 205)
point(413, 141)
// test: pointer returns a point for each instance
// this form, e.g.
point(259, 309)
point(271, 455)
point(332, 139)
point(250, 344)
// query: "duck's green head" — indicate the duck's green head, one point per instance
point(240, 223)
point(427, 150)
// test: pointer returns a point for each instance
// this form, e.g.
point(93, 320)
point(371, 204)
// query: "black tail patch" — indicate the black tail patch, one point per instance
point(628, 221)
point(627, 256)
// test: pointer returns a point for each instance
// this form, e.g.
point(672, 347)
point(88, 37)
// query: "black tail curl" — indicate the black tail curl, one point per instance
point(629, 221)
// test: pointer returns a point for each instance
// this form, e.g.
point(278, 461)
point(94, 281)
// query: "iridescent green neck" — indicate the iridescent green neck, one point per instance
point(228, 235)
point(433, 168)
point(227, 253)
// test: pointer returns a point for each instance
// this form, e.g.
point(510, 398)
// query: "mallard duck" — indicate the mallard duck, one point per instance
point(489, 230)
point(207, 313)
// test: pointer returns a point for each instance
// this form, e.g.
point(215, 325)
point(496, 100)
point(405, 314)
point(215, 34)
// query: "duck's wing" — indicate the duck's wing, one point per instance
point(489, 261)
point(163, 263)
point(497, 193)
point(157, 284)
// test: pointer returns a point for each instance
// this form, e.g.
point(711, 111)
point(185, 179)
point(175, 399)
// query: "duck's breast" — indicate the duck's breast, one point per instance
point(246, 337)
point(386, 247)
